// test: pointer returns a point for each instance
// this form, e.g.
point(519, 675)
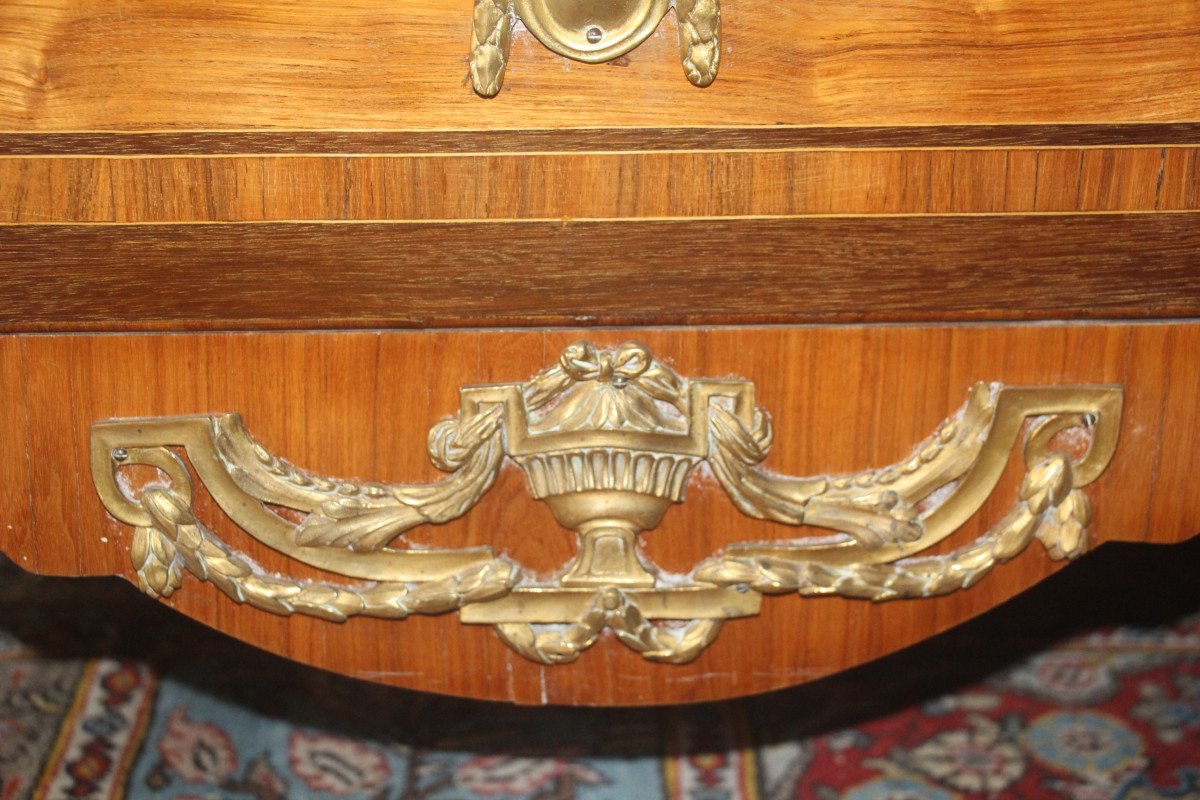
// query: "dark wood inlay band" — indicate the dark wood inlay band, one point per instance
point(706, 271)
point(595, 139)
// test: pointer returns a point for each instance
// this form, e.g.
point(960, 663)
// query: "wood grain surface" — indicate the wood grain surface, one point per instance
point(359, 404)
point(161, 65)
point(745, 270)
point(597, 185)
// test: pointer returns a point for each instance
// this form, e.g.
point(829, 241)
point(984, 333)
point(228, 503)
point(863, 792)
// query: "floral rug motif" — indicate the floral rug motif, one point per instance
point(1112, 714)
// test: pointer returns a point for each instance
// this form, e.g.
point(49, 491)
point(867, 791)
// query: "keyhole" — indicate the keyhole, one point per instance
point(594, 35)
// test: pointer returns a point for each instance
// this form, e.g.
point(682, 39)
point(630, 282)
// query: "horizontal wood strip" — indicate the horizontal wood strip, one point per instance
point(253, 188)
point(157, 65)
point(583, 140)
point(785, 270)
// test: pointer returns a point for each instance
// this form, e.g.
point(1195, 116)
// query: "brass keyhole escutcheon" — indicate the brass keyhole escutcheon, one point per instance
point(592, 31)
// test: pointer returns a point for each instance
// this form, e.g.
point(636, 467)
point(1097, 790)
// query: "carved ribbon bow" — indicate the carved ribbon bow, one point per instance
point(628, 364)
point(582, 362)
point(598, 389)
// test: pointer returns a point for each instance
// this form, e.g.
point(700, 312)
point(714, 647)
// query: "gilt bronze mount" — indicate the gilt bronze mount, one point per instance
point(609, 439)
point(592, 31)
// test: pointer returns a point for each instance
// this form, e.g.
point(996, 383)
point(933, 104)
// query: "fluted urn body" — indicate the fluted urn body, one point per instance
point(604, 417)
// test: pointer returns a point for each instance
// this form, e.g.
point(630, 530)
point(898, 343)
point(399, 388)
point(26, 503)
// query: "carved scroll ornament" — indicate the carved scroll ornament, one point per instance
point(608, 439)
point(592, 31)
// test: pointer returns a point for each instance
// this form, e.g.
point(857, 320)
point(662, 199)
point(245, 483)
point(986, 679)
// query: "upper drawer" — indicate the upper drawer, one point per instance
point(381, 65)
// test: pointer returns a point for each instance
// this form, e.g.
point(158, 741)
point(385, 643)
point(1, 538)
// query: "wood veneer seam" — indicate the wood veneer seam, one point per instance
point(28, 454)
point(73, 455)
point(746, 126)
point(106, 329)
point(1158, 184)
point(1159, 453)
point(416, 154)
point(681, 126)
point(569, 221)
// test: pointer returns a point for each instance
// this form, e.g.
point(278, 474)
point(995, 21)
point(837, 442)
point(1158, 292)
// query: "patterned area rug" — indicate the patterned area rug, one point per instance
point(92, 706)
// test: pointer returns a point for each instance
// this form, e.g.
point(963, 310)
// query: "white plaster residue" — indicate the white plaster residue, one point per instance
point(671, 580)
point(133, 490)
point(937, 497)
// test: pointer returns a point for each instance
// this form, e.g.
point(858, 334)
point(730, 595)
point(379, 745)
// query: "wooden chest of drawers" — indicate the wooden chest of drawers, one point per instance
point(960, 239)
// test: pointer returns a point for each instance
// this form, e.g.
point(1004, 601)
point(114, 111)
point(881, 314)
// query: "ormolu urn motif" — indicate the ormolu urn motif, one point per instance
point(609, 439)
